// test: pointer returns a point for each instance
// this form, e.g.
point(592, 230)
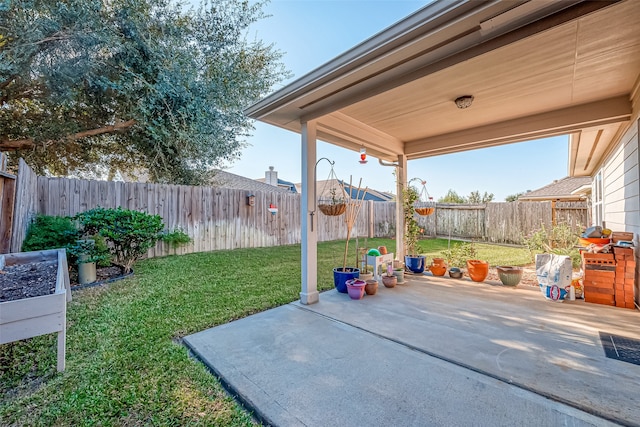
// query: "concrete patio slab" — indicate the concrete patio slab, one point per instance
point(436, 351)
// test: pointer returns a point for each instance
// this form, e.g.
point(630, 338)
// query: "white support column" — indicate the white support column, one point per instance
point(309, 293)
point(401, 183)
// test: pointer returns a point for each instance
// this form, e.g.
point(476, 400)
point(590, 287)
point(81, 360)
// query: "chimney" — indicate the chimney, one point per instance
point(271, 177)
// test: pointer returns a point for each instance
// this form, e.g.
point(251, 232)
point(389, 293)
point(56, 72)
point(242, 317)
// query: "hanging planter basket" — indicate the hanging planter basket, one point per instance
point(425, 204)
point(332, 209)
point(424, 209)
point(333, 200)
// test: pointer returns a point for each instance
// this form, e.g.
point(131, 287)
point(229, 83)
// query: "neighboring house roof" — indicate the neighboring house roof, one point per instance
point(376, 196)
point(237, 182)
point(289, 186)
point(566, 189)
point(324, 189)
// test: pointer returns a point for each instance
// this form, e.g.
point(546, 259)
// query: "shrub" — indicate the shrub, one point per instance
point(129, 234)
point(50, 232)
point(560, 240)
point(175, 238)
point(94, 247)
point(459, 253)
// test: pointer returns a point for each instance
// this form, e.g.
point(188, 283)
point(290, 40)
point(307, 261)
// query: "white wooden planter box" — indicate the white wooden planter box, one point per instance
point(30, 317)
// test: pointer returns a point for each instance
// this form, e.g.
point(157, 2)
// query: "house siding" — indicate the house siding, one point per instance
point(621, 192)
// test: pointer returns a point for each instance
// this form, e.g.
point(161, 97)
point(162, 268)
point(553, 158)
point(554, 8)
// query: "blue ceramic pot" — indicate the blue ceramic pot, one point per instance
point(415, 263)
point(340, 277)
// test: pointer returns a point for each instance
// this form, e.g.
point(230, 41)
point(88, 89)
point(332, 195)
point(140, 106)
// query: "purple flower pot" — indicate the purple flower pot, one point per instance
point(355, 288)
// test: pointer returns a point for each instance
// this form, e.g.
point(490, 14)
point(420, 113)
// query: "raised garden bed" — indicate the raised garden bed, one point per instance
point(34, 290)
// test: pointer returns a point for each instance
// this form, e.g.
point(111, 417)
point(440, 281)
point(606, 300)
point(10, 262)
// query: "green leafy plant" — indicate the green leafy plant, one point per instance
point(129, 234)
point(175, 238)
point(560, 240)
point(91, 249)
point(50, 232)
point(458, 254)
point(412, 232)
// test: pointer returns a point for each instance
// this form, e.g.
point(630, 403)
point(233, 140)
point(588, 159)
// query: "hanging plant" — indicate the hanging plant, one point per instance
point(424, 204)
point(335, 204)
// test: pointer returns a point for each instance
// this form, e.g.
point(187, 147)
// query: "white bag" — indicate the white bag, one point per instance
point(554, 274)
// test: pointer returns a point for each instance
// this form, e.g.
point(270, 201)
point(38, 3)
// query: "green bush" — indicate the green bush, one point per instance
point(94, 247)
point(459, 253)
point(560, 240)
point(175, 238)
point(129, 234)
point(50, 232)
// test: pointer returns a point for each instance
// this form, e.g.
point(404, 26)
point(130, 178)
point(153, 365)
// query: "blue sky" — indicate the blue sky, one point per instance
point(311, 33)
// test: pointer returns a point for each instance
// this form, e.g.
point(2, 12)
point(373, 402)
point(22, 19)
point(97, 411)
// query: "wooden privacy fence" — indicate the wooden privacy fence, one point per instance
point(220, 218)
point(7, 202)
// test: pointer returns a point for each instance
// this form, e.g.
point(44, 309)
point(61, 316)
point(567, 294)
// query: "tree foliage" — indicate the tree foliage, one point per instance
point(474, 198)
point(130, 85)
point(451, 197)
point(514, 197)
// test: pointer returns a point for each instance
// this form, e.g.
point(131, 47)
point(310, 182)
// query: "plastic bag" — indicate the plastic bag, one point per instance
point(554, 274)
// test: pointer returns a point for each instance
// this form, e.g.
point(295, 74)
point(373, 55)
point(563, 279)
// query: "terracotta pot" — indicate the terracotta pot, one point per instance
point(478, 270)
point(371, 287)
point(437, 270)
point(365, 276)
point(509, 276)
point(382, 250)
point(438, 261)
point(389, 281)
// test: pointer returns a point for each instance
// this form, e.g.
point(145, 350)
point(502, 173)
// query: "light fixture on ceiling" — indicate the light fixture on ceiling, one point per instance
point(464, 101)
point(363, 155)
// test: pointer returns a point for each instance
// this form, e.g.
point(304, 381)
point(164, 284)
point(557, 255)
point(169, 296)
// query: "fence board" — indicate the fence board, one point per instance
point(219, 218)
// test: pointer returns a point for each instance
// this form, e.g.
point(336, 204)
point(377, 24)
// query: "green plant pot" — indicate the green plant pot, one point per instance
point(510, 276)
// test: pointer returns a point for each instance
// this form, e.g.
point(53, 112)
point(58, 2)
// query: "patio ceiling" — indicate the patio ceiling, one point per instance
point(535, 68)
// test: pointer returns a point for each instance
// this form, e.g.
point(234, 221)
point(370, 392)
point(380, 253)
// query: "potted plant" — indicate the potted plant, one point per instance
point(88, 252)
point(371, 287)
point(365, 272)
point(413, 260)
point(509, 275)
point(344, 273)
point(334, 205)
point(389, 280)
point(478, 269)
point(456, 257)
point(438, 267)
point(399, 273)
point(355, 288)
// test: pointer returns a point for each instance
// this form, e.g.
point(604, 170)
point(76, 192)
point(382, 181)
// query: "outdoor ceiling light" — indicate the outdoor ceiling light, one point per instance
point(464, 101)
point(363, 155)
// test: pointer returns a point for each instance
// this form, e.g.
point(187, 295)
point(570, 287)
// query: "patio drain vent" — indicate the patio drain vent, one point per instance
point(620, 348)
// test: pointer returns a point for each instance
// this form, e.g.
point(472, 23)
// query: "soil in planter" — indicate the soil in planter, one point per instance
point(28, 280)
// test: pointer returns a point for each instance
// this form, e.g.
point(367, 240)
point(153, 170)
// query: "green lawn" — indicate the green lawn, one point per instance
point(125, 363)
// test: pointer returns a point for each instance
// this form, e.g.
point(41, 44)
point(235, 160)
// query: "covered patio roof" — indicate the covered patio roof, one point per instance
point(535, 69)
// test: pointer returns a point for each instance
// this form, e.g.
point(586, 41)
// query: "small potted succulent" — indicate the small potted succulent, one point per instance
point(389, 280)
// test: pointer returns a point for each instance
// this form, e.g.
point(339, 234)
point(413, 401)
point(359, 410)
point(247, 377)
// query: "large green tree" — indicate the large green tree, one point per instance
point(146, 86)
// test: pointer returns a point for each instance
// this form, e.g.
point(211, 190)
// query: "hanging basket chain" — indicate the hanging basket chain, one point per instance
point(425, 204)
point(333, 204)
